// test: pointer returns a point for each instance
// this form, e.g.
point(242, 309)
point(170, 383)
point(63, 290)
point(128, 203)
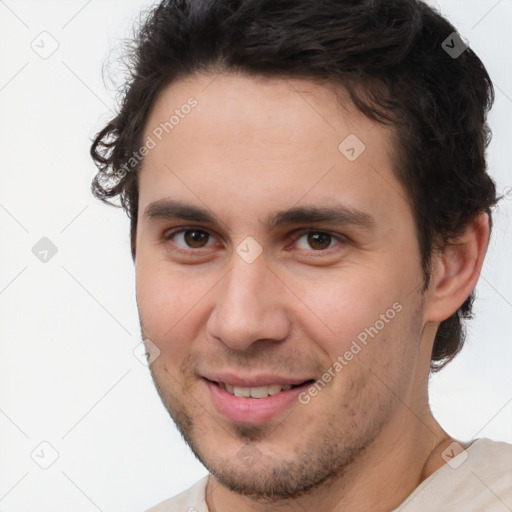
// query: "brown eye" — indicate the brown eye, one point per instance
point(190, 238)
point(318, 240)
point(196, 238)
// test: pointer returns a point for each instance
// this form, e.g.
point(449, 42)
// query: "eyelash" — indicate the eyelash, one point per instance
point(341, 239)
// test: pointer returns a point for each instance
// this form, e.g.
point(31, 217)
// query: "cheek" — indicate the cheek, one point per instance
point(347, 306)
point(169, 306)
point(371, 338)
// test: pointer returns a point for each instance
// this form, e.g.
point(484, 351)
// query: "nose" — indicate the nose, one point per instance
point(250, 306)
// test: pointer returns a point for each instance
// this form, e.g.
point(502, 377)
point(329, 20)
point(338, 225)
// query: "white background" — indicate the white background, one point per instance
point(68, 327)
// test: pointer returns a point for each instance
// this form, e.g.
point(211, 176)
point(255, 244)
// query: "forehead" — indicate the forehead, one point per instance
point(263, 141)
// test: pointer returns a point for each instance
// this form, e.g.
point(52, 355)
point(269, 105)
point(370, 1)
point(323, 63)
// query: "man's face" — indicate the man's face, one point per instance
point(325, 290)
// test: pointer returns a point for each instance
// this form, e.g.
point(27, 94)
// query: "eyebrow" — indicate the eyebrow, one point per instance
point(171, 209)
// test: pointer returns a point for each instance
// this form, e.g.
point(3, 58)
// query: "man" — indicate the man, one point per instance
point(310, 211)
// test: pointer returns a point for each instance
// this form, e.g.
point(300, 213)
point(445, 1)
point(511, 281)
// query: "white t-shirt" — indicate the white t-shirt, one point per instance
point(477, 480)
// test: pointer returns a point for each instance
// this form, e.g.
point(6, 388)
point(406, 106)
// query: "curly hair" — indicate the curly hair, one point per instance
point(390, 57)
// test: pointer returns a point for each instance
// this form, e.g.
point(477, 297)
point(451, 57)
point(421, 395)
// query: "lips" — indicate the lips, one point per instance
point(253, 401)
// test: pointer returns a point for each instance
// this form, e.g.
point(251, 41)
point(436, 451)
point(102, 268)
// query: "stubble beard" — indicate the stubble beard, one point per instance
point(317, 460)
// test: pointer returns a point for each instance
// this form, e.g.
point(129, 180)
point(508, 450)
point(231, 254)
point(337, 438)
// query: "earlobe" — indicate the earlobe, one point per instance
point(456, 269)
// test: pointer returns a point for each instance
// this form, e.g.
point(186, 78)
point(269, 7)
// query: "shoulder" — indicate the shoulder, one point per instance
point(499, 449)
point(191, 500)
point(489, 459)
point(478, 479)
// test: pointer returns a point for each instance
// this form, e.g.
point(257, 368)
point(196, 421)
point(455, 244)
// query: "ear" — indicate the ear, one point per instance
point(456, 269)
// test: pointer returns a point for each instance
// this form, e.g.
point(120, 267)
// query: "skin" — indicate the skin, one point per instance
point(250, 147)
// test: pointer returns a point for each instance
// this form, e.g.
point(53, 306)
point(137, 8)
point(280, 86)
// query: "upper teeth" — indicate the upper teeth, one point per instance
point(256, 392)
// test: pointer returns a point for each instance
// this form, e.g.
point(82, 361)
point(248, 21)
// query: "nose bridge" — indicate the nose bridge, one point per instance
point(248, 306)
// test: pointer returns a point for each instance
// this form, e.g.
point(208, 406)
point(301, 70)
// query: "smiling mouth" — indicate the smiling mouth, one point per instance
point(259, 391)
